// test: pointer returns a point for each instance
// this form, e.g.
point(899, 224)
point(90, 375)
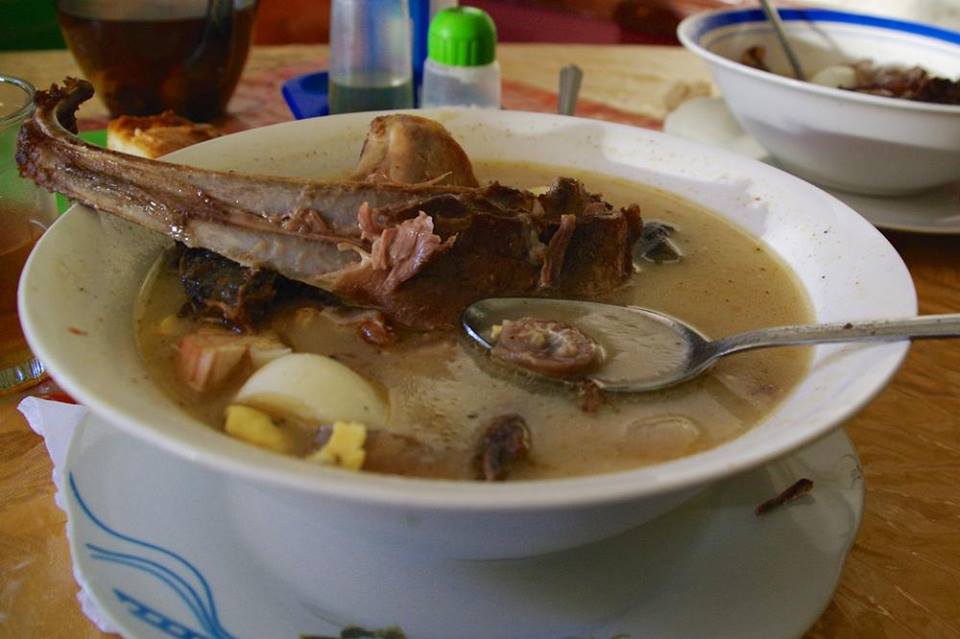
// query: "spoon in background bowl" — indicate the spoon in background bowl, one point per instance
point(645, 350)
point(774, 18)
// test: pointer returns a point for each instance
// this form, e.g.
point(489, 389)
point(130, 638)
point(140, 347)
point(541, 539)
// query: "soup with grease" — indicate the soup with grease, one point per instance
point(441, 394)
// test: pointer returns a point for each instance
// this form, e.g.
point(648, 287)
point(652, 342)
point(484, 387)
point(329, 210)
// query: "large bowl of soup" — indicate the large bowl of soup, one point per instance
point(758, 248)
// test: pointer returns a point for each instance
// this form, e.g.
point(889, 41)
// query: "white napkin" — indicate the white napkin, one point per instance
point(56, 422)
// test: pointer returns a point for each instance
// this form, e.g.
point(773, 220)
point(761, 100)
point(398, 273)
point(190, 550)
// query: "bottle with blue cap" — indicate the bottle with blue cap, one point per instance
point(461, 67)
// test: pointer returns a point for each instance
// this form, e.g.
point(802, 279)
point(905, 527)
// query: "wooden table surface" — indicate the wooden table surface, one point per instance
point(902, 578)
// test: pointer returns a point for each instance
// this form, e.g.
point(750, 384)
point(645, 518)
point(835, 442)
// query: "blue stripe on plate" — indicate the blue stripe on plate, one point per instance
point(824, 15)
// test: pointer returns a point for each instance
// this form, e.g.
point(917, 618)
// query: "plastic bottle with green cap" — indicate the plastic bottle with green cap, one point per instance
point(461, 67)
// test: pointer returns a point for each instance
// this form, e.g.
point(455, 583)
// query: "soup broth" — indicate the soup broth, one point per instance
point(443, 392)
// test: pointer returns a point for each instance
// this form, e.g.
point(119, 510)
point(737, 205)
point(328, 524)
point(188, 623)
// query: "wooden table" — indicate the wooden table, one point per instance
point(902, 578)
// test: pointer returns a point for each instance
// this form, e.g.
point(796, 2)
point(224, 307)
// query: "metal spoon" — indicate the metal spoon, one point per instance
point(774, 17)
point(570, 77)
point(647, 350)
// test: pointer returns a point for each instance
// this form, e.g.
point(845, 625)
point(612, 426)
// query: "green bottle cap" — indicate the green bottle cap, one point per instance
point(462, 37)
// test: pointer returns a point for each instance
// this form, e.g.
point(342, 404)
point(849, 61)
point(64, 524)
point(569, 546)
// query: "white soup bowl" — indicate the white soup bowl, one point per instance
point(80, 287)
point(835, 137)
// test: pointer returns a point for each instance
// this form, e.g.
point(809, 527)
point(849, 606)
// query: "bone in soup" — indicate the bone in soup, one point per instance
point(442, 409)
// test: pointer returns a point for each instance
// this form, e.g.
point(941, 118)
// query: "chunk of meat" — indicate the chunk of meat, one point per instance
point(913, 83)
point(655, 244)
point(207, 358)
point(221, 289)
point(546, 347)
point(216, 288)
point(504, 445)
point(495, 254)
point(408, 149)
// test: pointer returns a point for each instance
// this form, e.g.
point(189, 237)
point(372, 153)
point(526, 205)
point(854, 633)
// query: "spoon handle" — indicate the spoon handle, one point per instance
point(570, 77)
point(928, 326)
point(774, 17)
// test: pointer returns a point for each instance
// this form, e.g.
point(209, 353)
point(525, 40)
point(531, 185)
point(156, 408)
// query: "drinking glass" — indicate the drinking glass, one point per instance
point(25, 211)
point(145, 56)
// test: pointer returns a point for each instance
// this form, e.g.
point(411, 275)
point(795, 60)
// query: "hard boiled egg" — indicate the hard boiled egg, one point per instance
point(313, 388)
point(256, 427)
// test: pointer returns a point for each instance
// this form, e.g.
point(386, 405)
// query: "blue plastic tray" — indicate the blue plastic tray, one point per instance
point(306, 95)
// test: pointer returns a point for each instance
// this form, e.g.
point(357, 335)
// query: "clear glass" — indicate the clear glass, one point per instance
point(370, 63)
point(145, 56)
point(26, 211)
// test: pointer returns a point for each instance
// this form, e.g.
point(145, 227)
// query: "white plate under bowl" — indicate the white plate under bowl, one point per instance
point(153, 541)
point(79, 287)
point(708, 120)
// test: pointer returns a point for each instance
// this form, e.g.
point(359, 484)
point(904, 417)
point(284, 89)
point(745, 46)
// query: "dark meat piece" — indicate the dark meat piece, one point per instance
point(221, 289)
point(891, 81)
point(546, 347)
point(482, 249)
point(407, 149)
point(908, 84)
point(595, 258)
point(655, 244)
point(939, 91)
point(797, 489)
point(754, 57)
point(505, 444)
point(238, 297)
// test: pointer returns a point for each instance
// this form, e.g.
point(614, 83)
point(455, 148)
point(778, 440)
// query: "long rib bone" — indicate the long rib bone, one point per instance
point(295, 227)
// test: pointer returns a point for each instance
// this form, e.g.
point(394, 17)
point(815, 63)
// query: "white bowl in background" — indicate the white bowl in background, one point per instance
point(837, 138)
point(80, 285)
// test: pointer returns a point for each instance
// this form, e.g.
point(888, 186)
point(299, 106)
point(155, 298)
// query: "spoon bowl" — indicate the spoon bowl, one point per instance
point(645, 350)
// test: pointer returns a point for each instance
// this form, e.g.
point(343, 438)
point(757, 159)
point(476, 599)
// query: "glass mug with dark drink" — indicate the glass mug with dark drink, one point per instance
point(25, 211)
point(145, 56)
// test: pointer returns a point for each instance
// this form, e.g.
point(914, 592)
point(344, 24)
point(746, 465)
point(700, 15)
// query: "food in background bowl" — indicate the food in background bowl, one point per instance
point(83, 279)
point(842, 139)
point(863, 76)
